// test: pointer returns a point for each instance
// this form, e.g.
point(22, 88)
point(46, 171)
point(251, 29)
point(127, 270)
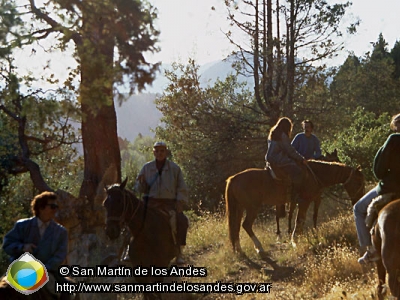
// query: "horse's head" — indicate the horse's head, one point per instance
point(115, 205)
point(355, 185)
point(332, 157)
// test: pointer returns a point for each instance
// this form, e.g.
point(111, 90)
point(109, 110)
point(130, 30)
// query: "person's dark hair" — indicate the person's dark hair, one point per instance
point(284, 125)
point(40, 201)
point(308, 122)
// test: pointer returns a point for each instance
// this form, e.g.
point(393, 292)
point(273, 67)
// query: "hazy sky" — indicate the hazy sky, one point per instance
point(192, 28)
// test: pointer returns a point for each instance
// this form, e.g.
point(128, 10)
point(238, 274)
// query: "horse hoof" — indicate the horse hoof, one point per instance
point(258, 251)
point(278, 237)
point(238, 251)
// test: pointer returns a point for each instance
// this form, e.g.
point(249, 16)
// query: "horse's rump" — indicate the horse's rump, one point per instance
point(387, 240)
point(252, 187)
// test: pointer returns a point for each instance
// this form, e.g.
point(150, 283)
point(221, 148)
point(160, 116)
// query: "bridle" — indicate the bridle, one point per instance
point(348, 181)
point(125, 210)
point(319, 182)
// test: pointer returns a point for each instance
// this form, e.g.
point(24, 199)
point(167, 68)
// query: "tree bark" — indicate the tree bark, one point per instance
point(99, 119)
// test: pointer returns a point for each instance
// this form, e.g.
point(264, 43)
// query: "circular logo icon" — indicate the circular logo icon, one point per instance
point(27, 274)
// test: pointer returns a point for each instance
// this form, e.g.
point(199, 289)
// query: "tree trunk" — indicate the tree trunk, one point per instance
point(99, 120)
point(288, 108)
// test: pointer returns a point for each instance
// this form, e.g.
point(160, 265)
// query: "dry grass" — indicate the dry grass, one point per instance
point(325, 262)
point(322, 266)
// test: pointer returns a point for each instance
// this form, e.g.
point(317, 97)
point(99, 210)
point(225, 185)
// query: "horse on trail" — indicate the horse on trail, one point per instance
point(386, 239)
point(152, 242)
point(281, 210)
point(247, 190)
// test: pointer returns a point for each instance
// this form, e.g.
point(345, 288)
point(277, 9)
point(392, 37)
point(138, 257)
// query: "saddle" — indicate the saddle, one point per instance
point(164, 208)
point(278, 174)
point(376, 205)
point(282, 179)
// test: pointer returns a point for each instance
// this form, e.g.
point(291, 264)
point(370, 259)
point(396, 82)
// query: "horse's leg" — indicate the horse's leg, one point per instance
point(380, 268)
point(317, 203)
point(251, 215)
point(277, 217)
point(292, 206)
point(278, 231)
point(300, 219)
point(234, 211)
point(391, 264)
point(394, 284)
point(235, 229)
point(381, 279)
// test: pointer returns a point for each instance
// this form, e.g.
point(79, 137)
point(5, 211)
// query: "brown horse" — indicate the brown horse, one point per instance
point(247, 190)
point(152, 242)
point(386, 239)
point(280, 209)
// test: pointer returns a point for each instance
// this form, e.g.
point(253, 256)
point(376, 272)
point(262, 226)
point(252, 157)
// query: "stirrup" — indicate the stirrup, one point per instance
point(369, 257)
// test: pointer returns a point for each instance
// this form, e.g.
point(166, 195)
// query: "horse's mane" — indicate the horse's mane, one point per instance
point(319, 165)
point(323, 162)
point(329, 170)
point(111, 186)
point(124, 190)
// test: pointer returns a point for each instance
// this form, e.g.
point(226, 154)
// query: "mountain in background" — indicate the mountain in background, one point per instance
point(139, 113)
point(209, 73)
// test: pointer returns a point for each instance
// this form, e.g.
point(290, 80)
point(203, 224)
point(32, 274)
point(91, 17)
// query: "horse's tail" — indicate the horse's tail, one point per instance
point(234, 214)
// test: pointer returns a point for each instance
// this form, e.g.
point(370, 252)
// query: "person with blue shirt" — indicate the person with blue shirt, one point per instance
point(306, 143)
point(41, 236)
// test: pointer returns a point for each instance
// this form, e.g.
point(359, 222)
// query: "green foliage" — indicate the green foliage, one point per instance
point(60, 167)
point(15, 202)
point(37, 128)
point(380, 51)
point(9, 20)
point(110, 37)
point(368, 82)
point(358, 143)
point(395, 54)
point(134, 156)
point(213, 132)
point(108, 40)
point(281, 63)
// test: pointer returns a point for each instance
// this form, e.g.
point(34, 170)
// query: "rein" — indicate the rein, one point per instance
point(348, 179)
point(319, 182)
point(125, 209)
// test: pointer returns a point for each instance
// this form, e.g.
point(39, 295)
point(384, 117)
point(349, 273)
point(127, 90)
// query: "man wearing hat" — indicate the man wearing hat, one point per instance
point(161, 182)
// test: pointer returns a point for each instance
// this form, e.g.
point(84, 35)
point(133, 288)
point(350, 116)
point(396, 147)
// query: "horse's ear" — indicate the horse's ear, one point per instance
point(123, 184)
point(359, 168)
point(334, 152)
